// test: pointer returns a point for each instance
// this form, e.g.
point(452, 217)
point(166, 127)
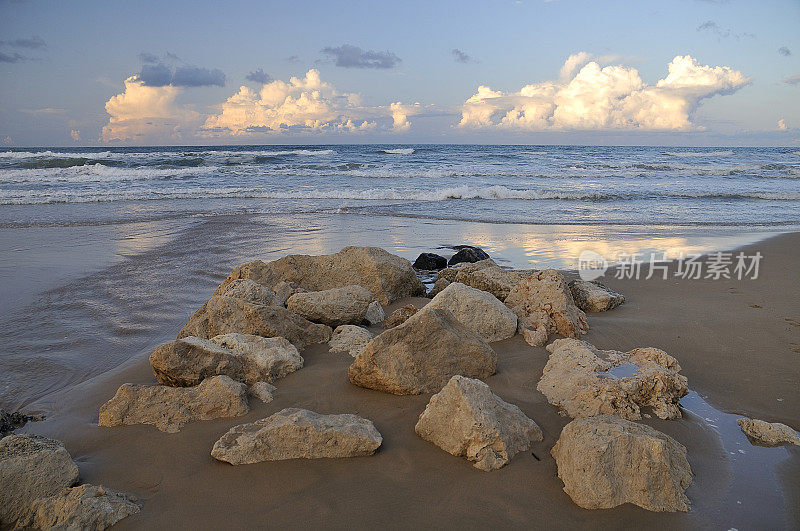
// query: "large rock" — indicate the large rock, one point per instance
point(169, 408)
point(386, 276)
point(430, 262)
point(467, 420)
point(594, 296)
point(451, 272)
point(251, 291)
point(544, 298)
point(333, 307)
point(494, 279)
point(349, 339)
point(399, 316)
point(297, 433)
point(606, 461)
point(768, 433)
point(245, 358)
point(477, 310)
point(82, 507)
point(421, 355)
point(584, 381)
point(31, 467)
point(467, 253)
point(224, 315)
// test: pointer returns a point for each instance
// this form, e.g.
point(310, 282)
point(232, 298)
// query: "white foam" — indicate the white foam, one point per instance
point(726, 153)
point(399, 151)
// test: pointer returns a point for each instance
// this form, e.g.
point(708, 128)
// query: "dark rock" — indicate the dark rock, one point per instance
point(468, 253)
point(10, 421)
point(430, 262)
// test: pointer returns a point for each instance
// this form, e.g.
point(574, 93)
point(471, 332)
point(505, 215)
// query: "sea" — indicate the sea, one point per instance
point(541, 185)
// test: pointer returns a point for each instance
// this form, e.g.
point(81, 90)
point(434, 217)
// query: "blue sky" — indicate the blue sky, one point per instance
point(61, 62)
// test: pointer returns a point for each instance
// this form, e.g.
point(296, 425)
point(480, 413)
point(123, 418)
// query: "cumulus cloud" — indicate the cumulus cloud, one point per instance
point(350, 56)
point(784, 51)
point(258, 76)
point(303, 104)
point(596, 97)
point(462, 57)
point(157, 72)
point(147, 112)
point(782, 125)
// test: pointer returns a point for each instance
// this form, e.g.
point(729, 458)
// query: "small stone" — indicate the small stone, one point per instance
point(768, 433)
point(467, 420)
point(298, 433)
point(375, 314)
point(438, 286)
point(170, 408)
point(594, 296)
point(349, 339)
point(605, 461)
point(263, 391)
point(284, 290)
point(399, 316)
point(535, 338)
point(82, 507)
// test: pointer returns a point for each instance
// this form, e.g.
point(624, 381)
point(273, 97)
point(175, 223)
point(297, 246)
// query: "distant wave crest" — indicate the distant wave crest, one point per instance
point(398, 151)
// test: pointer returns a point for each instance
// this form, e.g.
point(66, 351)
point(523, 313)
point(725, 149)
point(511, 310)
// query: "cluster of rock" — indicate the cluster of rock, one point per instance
point(11, 420)
point(38, 479)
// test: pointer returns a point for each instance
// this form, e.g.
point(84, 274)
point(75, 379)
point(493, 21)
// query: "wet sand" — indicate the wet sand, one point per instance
point(737, 342)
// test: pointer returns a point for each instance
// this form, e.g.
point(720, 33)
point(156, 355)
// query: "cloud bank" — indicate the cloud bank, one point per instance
point(160, 73)
point(596, 97)
point(350, 56)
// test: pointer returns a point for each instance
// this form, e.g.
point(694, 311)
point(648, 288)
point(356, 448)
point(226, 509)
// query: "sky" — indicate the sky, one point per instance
point(111, 73)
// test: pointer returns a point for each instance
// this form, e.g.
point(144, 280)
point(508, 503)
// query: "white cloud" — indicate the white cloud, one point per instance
point(305, 103)
point(596, 97)
point(143, 112)
point(75, 135)
point(782, 125)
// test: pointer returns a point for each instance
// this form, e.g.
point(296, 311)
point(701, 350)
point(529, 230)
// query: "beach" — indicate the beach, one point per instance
point(736, 340)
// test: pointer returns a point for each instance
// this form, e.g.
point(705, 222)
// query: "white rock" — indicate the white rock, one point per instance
point(768, 433)
point(478, 310)
point(349, 339)
point(263, 391)
point(334, 307)
point(375, 314)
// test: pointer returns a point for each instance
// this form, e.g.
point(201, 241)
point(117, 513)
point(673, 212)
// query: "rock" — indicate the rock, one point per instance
point(544, 298)
point(263, 358)
point(284, 290)
point(451, 272)
point(535, 338)
point(421, 355)
point(375, 314)
point(297, 434)
point(467, 253)
point(10, 421)
point(467, 420)
point(430, 262)
point(31, 467)
point(169, 408)
point(386, 276)
point(768, 434)
point(438, 286)
point(477, 310)
point(594, 296)
point(581, 383)
point(492, 278)
point(224, 315)
point(83, 507)
point(349, 339)
point(333, 307)
point(605, 461)
point(399, 316)
point(263, 391)
point(245, 358)
point(251, 291)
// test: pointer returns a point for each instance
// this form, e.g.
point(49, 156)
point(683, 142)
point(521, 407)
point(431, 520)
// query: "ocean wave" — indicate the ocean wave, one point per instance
point(725, 153)
point(98, 173)
point(398, 151)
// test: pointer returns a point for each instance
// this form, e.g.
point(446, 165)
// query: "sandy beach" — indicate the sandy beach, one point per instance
point(738, 342)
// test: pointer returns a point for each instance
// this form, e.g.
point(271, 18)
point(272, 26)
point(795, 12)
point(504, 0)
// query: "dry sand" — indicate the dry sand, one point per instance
point(737, 341)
